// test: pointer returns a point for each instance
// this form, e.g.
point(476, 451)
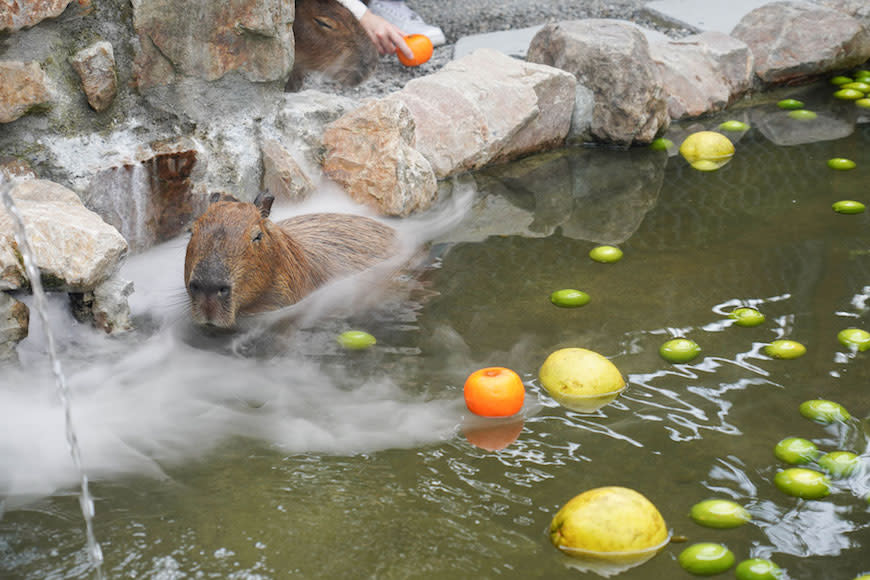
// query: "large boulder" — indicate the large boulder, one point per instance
point(23, 88)
point(206, 40)
point(18, 14)
point(371, 153)
point(486, 108)
point(74, 249)
point(96, 68)
point(702, 73)
point(283, 177)
point(858, 9)
point(792, 41)
point(612, 59)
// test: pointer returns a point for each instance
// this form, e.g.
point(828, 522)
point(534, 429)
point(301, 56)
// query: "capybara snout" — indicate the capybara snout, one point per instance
point(238, 262)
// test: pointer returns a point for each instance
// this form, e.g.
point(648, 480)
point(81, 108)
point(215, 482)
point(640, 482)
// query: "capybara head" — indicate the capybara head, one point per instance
point(331, 41)
point(229, 262)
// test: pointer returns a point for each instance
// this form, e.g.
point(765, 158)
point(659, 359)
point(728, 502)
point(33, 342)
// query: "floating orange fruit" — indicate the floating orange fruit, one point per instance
point(494, 392)
point(422, 48)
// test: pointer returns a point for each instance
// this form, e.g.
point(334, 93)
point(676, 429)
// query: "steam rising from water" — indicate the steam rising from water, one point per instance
point(167, 394)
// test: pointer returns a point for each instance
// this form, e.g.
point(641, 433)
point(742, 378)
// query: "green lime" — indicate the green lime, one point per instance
point(745, 316)
point(785, 349)
point(661, 144)
point(569, 298)
point(790, 104)
point(848, 94)
point(863, 577)
point(861, 74)
point(605, 254)
point(840, 80)
point(863, 103)
point(679, 350)
point(841, 163)
point(706, 559)
point(848, 206)
point(803, 483)
point(719, 513)
point(839, 463)
point(802, 114)
point(757, 569)
point(857, 86)
point(796, 450)
point(854, 337)
point(356, 339)
point(734, 125)
point(823, 411)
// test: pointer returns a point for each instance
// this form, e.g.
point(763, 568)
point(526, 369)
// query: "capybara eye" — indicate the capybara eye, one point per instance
point(325, 23)
point(257, 236)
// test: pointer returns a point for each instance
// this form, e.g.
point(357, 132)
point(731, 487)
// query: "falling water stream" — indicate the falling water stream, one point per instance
point(86, 502)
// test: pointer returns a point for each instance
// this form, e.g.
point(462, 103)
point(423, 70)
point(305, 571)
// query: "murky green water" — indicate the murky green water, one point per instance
point(318, 463)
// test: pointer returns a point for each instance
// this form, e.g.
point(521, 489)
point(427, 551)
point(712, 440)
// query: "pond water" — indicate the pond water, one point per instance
point(273, 452)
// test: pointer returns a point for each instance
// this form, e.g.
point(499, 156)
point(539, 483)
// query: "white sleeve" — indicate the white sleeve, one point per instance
point(356, 7)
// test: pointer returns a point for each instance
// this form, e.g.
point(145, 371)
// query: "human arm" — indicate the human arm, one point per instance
point(386, 37)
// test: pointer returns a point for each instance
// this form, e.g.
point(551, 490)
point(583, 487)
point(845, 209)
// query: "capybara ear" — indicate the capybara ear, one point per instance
point(221, 196)
point(263, 202)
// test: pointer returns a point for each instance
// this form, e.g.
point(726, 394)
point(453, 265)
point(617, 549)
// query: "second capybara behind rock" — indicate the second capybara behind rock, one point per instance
point(329, 40)
point(239, 262)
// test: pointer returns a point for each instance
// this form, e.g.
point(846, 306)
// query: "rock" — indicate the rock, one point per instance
point(793, 41)
point(18, 14)
point(105, 307)
point(370, 153)
point(14, 325)
point(857, 9)
point(152, 199)
point(611, 58)
point(74, 249)
point(96, 67)
point(207, 40)
point(282, 175)
point(780, 129)
point(16, 168)
point(703, 73)
point(302, 118)
point(584, 113)
point(23, 88)
point(487, 108)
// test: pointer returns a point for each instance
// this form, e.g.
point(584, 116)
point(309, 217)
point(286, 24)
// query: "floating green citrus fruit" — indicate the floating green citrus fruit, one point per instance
point(854, 338)
point(796, 450)
point(803, 483)
point(569, 298)
point(863, 103)
point(839, 463)
point(734, 125)
point(661, 144)
point(707, 150)
point(608, 520)
point(719, 513)
point(356, 339)
point(745, 316)
point(824, 411)
point(802, 114)
point(848, 206)
point(679, 350)
point(848, 94)
point(790, 104)
point(841, 80)
point(861, 74)
point(857, 86)
point(605, 254)
point(757, 569)
point(785, 349)
point(706, 559)
point(841, 163)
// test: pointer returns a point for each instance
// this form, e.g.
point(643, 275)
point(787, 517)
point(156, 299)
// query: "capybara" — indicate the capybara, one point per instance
point(239, 262)
point(330, 41)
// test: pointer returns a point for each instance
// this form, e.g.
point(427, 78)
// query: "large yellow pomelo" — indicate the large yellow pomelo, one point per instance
point(608, 520)
point(578, 371)
point(707, 150)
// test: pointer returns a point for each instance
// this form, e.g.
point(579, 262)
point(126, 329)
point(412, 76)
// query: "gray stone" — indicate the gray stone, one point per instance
point(106, 306)
point(612, 59)
point(23, 88)
point(302, 118)
point(782, 130)
point(96, 67)
point(14, 325)
point(18, 14)
point(795, 40)
point(282, 175)
point(857, 9)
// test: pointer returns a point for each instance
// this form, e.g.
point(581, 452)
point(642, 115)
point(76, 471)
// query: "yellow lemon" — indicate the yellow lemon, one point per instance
point(606, 520)
point(707, 147)
point(578, 371)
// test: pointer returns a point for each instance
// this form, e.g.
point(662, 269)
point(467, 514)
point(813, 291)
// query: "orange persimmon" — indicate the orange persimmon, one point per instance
point(422, 48)
point(494, 392)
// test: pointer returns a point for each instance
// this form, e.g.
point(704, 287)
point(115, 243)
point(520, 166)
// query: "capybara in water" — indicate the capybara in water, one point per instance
point(331, 41)
point(239, 262)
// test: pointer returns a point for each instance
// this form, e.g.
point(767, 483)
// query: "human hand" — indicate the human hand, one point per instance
point(386, 37)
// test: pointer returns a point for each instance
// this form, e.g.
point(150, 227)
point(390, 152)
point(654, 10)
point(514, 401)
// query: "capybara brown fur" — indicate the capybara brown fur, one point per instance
point(331, 41)
point(239, 262)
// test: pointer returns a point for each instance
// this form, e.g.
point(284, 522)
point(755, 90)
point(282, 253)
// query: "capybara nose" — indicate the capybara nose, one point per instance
point(209, 288)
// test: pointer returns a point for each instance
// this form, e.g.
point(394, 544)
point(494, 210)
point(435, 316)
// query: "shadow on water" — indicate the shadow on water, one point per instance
point(272, 451)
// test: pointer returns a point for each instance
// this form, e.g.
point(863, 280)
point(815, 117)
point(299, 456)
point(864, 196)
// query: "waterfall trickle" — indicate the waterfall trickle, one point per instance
point(95, 554)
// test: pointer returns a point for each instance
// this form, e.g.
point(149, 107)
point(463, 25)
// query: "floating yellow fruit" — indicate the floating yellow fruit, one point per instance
point(706, 559)
point(824, 411)
point(580, 379)
point(841, 163)
point(745, 316)
point(840, 463)
point(707, 150)
point(848, 94)
point(802, 114)
point(863, 103)
point(857, 338)
point(796, 450)
point(569, 298)
point(608, 522)
point(605, 254)
point(791, 104)
point(803, 483)
point(719, 513)
point(734, 125)
point(679, 350)
point(848, 206)
point(757, 569)
point(356, 339)
point(786, 349)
